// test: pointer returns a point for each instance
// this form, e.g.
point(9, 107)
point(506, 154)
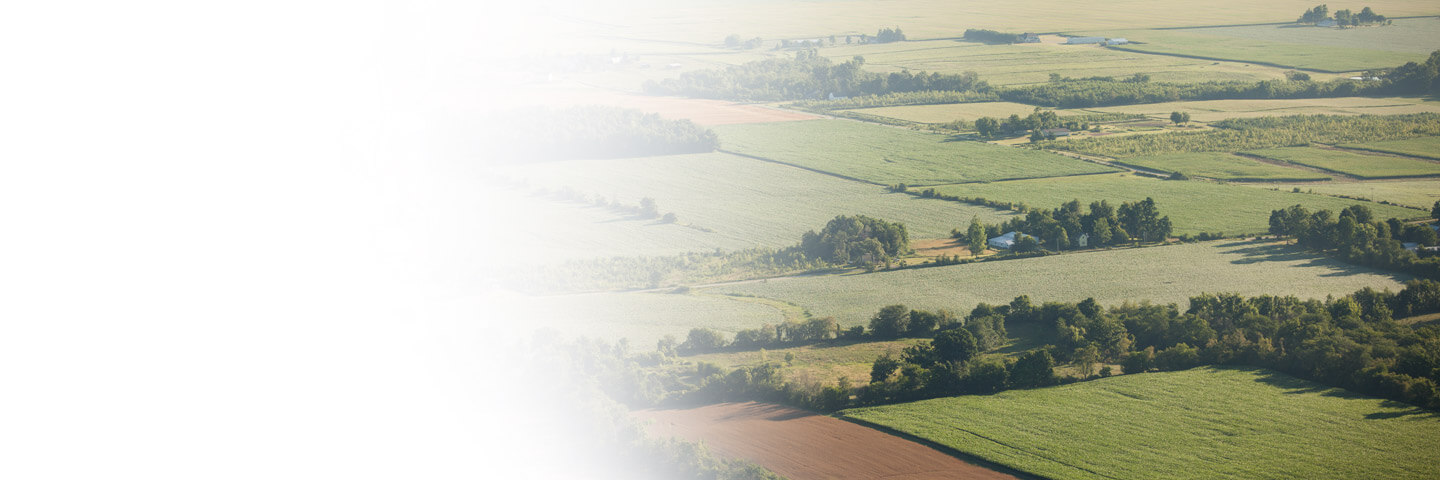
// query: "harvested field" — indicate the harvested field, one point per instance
point(1415, 193)
point(955, 111)
point(802, 445)
point(1221, 165)
point(1213, 110)
point(1423, 147)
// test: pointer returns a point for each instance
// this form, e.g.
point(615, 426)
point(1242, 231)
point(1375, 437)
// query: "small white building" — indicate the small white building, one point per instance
point(1083, 241)
point(1085, 40)
point(1028, 37)
point(1116, 41)
point(1007, 241)
point(1329, 22)
point(1411, 246)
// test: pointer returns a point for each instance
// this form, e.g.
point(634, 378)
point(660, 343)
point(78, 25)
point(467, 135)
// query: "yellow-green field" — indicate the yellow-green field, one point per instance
point(1425, 147)
point(1199, 423)
point(642, 318)
point(1159, 274)
point(1354, 163)
point(1415, 193)
point(824, 363)
point(956, 111)
point(1212, 110)
point(1409, 35)
point(1280, 51)
point(1224, 166)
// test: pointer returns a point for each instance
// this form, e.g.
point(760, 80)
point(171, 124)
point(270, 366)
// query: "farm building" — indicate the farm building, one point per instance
point(1325, 23)
point(1028, 37)
point(1085, 40)
point(1083, 241)
point(1411, 246)
point(1007, 241)
point(1116, 41)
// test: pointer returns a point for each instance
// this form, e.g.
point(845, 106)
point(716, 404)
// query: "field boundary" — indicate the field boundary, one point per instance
point(1345, 174)
point(954, 452)
point(816, 170)
point(1386, 152)
point(1232, 60)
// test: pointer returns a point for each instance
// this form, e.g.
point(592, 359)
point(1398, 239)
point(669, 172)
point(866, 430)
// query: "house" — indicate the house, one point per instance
point(1116, 41)
point(1411, 246)
point(1055, 132)
point(1085, 40)
point(1007, 241)
point(1028, 37)
point(1083, 241)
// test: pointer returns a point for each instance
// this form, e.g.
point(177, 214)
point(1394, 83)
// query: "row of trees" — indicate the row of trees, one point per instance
point(886, 35)
point(596, 132)
point(1086, 93)
point(807, 76)
point(1035, 122)
point(1343, 18)
point(1061, 229)
point(1242, 134)
point(991, 36)
point(1357, 237)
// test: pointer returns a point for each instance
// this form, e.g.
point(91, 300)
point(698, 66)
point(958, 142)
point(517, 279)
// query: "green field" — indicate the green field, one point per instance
point(1425, 147)
point(743, 202)
point(1193, 206)
point(887, 155)
point(1415, 193)
point(1222, 166)
point(1200, 423)
point(1408, 35)
point(643, 318)
point(1159, 274)
point(950, 112)
point(1353, 163)
point(820, 363)
point(1213, 110)
point(1289, 54)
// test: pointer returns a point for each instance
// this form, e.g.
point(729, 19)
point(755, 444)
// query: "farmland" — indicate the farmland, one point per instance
point(1222, 166)
point(1353, 163)
point(1200, 423)
point(1160, 274)
point(1286, 54)
point(643, 318)
point(1418, 36)
point(820, 363)
point(955, 111)
point(885, 155)
point(1414, 193)
point(1213, 110)
point(1193, 206)
point(1424, 147)
point(742, 202)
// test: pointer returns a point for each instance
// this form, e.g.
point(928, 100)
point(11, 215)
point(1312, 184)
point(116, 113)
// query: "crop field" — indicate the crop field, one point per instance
point(742, 202)
point(1199, 423)
point(1224, 166)
point(1415, 193)
point(820, 363)
point(1409, 35)
point(1168, 274)
point(1353, 163)
point(887, 155)
point(950, 112)
point(1424, 147)
point(642, 318)
point(1033, 63)
point(1193, 206)
point(1213, 110)
point(1289, 54)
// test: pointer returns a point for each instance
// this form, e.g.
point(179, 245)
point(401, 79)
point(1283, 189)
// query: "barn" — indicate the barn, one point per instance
point(1006, 241)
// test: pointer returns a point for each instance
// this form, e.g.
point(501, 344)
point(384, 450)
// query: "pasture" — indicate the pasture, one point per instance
point(1419, 36)
point(950, 112)
point(1199, 423)
point(887, 155)
point(1280, 53)
point(730, 202)
point(1193, 206)
point(1223, 166)
point(824, 363)
point(1353, 163)
point(1167, 274)
point(1213, 110)
point(1415, 193)
point(1424, 147)
point(641, 318)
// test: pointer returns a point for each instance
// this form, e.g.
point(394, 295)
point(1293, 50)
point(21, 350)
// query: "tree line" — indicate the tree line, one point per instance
point(1343, 18)
point(806, 76)
point(991, 36)
point(1355, 236)
point(596, 132)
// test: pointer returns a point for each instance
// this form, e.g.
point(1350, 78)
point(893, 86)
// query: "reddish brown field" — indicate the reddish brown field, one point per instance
point(802, 445)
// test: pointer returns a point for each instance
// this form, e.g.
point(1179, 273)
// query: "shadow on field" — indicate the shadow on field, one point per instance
point(1268, 253)
point(1402, 410)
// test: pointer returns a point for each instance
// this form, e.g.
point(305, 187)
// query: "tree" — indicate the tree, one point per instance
point(1027, 244)
point(884, 366)
point(921, 323)
point(987, 127)
point(1035, 369)
point(1139, 362)
point(975, 235)
point(1179, 117)
point(1086, 357)
point(648, 209)
point(1435, 211)
point(703, 340)
point(1297, 76)
point(732, 41)
point(955, 345)
point(890, 321)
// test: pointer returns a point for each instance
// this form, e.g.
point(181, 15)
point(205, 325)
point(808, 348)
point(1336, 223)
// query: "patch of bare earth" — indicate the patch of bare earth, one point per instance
point(803, 445)
point(934, 247)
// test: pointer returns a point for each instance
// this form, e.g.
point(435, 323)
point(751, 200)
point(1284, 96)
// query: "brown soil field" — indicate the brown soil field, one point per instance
point(802, 445)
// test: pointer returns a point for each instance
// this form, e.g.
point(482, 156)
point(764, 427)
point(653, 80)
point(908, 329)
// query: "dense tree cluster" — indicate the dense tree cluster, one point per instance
point(807, 76)
point(887, 35)
point(1357, 237)
point(894, 99)
point(847, 240)
point(990, 36)
point(1417, 78)
point(1241, 134)
point(596, 132)
point(1062, 228)
point(1036, 122)
point(1343, 18)
point(1086, 93)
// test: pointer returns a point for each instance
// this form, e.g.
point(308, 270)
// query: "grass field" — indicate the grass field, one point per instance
point(820, 363)
point(1222, 166)
point(1408, 35)
point(742, 201)
point(1425, 147)
point(1199, 423)
point(1415, 193)
point(1289, 54)
point(1213, 110)
point(1159, 274)
point(1193, 206)
point(956, 111)
point(887, 155)
point(1353, 163)
point(642, 318)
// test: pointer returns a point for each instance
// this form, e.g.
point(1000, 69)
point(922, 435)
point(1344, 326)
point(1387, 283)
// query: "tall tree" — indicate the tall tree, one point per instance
point(955, 345)
point(976, 234)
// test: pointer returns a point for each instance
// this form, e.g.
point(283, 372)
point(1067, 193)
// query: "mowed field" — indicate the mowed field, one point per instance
point(799, 444)
point(950, 112)
point(742, 202)
point(1034, 62)
point(1193, 206)
point(1424, 147)
point(1167, 274)
point(1287, 53)
point(887, 155)
point(1224, 166)
point(1354, 163)
point(1415, 193)
point(1213, 110)
point(1200, 423)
